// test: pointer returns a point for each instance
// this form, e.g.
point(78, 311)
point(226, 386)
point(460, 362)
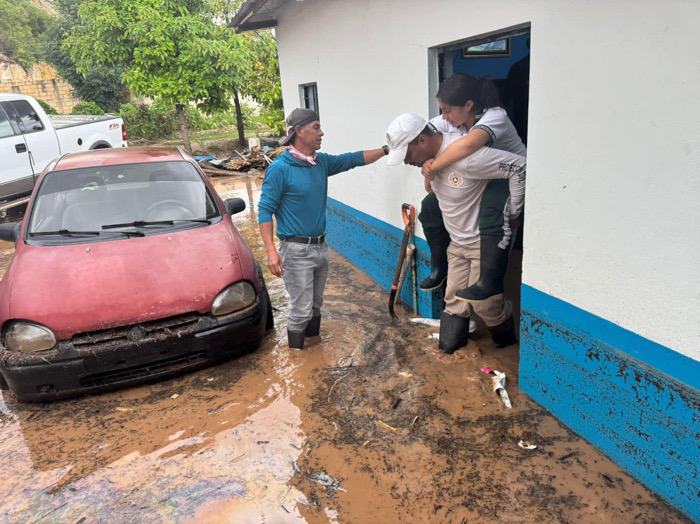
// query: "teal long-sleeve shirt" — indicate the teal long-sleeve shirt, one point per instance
point(297, 192)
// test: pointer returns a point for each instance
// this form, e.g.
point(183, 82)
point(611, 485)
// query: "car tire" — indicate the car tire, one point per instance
point(270, 320)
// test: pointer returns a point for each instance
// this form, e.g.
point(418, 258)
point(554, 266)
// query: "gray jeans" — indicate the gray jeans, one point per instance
point(305, 273)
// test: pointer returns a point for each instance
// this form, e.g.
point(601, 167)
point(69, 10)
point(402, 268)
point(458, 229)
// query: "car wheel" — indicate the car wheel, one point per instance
point(270, 321)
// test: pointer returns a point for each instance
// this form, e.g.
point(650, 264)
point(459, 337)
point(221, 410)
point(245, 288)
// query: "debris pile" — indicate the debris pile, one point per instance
point(254, 159)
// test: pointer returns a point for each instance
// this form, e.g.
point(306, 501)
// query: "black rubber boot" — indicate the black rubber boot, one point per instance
point(504, 334)
point(494, 262)
point(454, 333)
point(296, 339)
point(313, 328)
point(438, 243)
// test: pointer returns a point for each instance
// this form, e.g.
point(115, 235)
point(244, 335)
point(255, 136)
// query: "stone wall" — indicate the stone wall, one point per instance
point(40, 81)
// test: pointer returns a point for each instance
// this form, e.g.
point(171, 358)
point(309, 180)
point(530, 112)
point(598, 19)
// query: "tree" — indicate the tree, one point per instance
point(100, 84)
point(21, 27)
point(169, 49)
point(263, 83)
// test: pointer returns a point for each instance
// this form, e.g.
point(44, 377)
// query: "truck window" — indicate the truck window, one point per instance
point(5, 126)
point(28, 117)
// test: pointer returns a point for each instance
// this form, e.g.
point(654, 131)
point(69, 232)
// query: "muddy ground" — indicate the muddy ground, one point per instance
point(370, 423)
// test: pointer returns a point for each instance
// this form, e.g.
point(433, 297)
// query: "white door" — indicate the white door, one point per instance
point(41, 141)
point(16, 175)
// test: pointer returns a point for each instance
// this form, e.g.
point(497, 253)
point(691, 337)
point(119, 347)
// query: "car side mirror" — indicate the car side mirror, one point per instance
point(9, 231)
point(234, 205)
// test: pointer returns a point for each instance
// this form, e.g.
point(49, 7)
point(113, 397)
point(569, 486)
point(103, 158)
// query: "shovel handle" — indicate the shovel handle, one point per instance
point(408, 212)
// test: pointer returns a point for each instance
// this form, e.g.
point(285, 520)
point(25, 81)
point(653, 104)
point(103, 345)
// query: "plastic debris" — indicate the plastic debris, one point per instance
point(435, 322)
point(498, 381)
point(432, 322)
point(436, 336)
point(319, 477)
point(174, 396)
point(526, 445)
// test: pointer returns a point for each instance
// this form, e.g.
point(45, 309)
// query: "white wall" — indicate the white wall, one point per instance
point(613, 141)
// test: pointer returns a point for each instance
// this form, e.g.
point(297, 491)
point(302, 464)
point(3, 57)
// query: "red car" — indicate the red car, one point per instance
point(127, 269)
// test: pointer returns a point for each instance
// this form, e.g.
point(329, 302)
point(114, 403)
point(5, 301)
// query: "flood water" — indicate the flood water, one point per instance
point(369, 423)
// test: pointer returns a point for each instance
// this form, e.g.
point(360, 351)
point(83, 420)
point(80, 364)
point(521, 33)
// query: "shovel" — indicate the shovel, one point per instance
point(409, 218)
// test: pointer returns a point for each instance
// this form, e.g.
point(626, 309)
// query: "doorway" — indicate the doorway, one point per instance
point(504, 57)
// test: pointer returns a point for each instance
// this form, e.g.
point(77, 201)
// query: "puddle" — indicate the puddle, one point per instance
point(370, 423)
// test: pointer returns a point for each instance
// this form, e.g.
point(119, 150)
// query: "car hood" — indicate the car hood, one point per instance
point(90, 287)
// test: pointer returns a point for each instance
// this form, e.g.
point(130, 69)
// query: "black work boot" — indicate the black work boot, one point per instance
point(454, 333)
point(313, 328)
point(494, 262)
point(296, 339)
point(504, 334)
point(438, 243)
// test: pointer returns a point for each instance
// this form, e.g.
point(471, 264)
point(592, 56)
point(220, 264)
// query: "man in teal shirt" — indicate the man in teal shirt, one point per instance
point(295, 191)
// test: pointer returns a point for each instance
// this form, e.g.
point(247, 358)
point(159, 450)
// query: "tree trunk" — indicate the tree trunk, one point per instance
point(180, 110)
point(239, 119)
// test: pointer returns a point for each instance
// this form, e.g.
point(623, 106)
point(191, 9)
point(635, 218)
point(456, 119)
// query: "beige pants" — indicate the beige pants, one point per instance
point(463, 263)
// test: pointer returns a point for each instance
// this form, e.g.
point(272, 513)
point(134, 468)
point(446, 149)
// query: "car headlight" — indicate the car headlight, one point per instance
point(233, 298)
point(28, 337)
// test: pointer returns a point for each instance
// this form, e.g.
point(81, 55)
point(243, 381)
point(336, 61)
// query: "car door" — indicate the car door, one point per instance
point(41, 141)
point(16, 174)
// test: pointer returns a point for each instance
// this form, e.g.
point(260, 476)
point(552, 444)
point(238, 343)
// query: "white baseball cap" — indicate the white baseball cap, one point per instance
point(402, 130)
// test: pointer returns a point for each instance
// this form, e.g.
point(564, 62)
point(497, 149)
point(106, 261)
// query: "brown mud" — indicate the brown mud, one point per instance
point(369, 423)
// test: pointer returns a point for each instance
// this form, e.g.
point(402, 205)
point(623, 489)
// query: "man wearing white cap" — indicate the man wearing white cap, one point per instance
point(459, 188)
point(295, 191)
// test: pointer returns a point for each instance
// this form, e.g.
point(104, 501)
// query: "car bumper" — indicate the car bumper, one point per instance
point(76, 368)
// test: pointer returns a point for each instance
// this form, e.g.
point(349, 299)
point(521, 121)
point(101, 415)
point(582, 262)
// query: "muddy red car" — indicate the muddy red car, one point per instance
point(127, 269)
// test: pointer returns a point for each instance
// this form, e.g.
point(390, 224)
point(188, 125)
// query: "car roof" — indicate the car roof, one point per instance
point(119, 156)
point(14, 96)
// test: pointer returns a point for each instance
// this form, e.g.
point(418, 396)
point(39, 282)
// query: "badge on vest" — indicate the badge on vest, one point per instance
point(455, 180)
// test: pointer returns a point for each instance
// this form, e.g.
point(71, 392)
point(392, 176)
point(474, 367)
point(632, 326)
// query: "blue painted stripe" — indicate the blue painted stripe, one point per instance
point(605, 383)
point(654, 355)
point(373, 246)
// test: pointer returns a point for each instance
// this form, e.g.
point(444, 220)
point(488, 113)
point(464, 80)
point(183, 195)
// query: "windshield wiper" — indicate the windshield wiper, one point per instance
point(143, 223)
point(69, 233)
point(64, 232)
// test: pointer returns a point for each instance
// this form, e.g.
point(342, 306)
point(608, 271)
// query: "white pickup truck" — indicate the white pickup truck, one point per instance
point(30, 139)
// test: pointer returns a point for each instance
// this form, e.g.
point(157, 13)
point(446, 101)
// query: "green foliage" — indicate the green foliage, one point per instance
point(263, 82)
point(274, 119)
point(169, 49)
point(87, 108)
point(21, 27)
point(148, 122)
point(100, 84)
point(47, 108)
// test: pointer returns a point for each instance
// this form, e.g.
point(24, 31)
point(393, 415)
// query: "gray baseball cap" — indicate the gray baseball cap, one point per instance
point(298, 117)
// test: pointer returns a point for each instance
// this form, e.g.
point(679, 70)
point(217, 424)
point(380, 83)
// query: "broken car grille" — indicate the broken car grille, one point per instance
point(136, 333)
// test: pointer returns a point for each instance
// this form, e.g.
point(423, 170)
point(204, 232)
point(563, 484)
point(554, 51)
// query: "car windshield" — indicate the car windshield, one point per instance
point(107, 201)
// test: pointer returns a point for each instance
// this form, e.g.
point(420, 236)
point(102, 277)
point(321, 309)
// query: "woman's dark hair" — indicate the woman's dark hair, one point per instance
point(461, 87)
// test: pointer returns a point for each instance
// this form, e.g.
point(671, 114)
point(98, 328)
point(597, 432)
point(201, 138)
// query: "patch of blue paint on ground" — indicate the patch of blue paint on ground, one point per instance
point(636, 400)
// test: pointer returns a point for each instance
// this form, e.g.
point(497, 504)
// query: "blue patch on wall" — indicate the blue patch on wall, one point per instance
point(637, 401)
point(373, 246)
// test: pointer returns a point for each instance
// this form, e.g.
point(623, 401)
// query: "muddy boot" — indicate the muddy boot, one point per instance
point(296, 339)
point(454, 333)
point(438, 243)
point(504, 334)
point(494, 262)
point(313, 328)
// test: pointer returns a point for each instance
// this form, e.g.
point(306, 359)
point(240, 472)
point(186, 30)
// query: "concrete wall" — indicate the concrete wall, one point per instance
point(611, 258)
